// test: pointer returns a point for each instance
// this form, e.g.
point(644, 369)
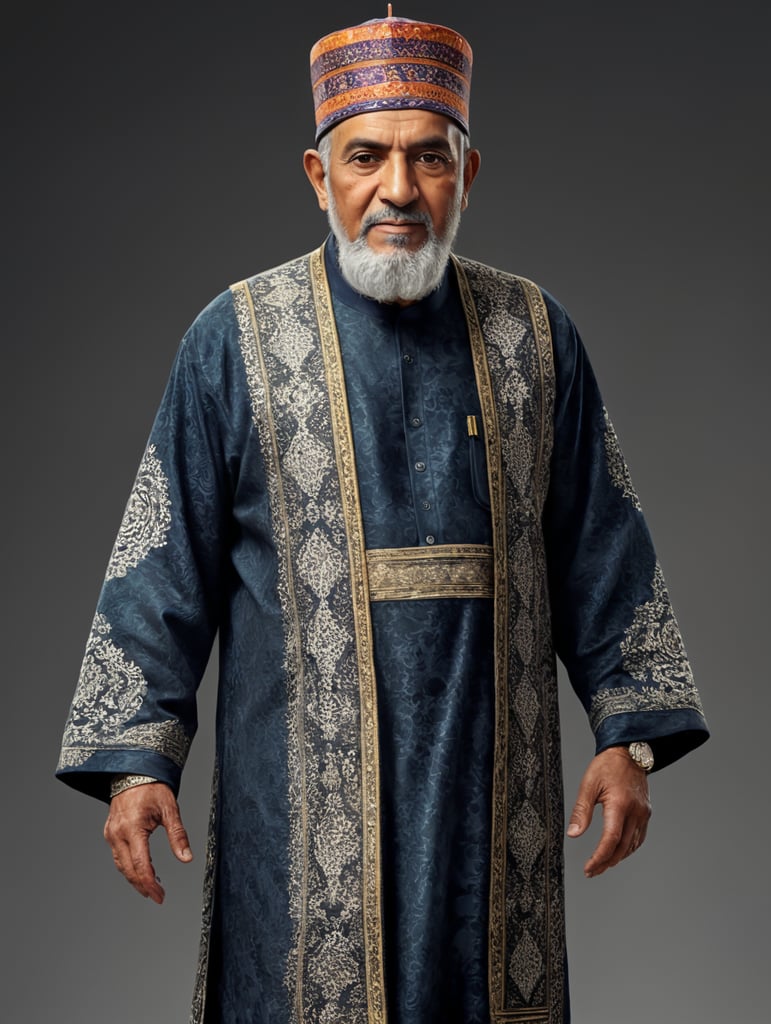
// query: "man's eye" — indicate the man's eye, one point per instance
point(363, 158)
point(433, 159)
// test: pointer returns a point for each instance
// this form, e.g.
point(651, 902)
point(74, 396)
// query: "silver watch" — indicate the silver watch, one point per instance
point(642, 755)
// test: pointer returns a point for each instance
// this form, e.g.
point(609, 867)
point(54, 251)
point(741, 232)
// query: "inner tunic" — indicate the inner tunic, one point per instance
point(423, 482)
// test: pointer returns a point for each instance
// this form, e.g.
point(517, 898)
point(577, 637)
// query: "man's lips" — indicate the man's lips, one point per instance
point(397, 225)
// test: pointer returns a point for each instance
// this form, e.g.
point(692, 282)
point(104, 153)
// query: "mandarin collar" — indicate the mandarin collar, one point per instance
point(387, 311)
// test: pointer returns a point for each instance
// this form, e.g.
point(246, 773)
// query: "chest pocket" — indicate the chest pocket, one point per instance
point(477, 463)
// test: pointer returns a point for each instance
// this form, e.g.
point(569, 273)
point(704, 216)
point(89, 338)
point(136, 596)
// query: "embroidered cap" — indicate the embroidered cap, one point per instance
point(390, 64)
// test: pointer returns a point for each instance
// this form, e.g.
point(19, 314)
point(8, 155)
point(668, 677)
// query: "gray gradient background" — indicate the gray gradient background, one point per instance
point(153, 155)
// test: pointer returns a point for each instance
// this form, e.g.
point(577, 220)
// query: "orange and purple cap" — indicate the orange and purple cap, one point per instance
point(390, 64)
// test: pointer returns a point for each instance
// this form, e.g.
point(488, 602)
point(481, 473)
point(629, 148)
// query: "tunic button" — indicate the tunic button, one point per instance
point(430, 538)
point(420, 466)
point(426, 505)
point(407, 357)
point(416, 421)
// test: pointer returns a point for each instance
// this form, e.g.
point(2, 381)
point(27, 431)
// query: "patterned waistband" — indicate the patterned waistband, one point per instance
point(446, 570)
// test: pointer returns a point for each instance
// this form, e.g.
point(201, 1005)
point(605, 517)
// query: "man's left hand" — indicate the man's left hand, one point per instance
point(615, 781)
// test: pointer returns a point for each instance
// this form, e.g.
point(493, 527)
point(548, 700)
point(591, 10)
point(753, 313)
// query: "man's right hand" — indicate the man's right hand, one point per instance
point(134, 815)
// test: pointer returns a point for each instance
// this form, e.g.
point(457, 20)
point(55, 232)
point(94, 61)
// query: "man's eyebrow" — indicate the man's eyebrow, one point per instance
point(431, 142)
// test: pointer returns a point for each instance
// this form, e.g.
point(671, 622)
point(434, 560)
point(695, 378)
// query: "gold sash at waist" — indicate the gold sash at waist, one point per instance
point(446, 570)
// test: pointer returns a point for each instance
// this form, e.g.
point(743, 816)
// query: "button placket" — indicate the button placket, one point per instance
point(415, 437)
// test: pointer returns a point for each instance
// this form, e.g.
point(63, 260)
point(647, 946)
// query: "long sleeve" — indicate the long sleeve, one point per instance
point(134, 709)
point(614, 627)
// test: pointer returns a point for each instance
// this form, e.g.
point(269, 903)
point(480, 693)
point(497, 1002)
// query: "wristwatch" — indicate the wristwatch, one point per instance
point(642, 755)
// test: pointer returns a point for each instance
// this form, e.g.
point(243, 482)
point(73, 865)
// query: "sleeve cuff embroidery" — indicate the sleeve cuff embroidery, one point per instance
point(121, 782)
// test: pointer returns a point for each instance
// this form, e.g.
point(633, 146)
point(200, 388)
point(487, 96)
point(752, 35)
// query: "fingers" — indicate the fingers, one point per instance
point(613, 780)
point(177, 836)
point(131, 853)
point(616, 841)
point(623, 833)
point(134, 816)
point(140, 871)
point(638, 839)
point(583, 809)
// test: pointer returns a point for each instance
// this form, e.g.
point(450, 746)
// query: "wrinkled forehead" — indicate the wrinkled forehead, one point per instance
point(397, 129)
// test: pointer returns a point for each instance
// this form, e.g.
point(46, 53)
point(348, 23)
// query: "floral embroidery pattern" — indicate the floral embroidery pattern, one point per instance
point(653, 653)
point(110, 692)
point(652, 647)
point(146, 520)
point(617, 467)
point(110, 689)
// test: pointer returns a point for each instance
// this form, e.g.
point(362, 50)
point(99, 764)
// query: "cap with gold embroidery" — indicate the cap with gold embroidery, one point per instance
point(390, 64)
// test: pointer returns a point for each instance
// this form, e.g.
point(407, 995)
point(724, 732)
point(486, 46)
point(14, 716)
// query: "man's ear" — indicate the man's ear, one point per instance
point(315, 171)
point(470, 171)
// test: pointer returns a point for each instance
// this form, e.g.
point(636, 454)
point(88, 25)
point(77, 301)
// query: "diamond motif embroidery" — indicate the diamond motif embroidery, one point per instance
point(307, 461)
point(321, 563)
point(526, 966)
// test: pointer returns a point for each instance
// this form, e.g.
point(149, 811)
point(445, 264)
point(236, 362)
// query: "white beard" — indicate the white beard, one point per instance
point(400, 274)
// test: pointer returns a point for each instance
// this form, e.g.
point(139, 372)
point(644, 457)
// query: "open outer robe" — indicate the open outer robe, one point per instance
point(246, 517)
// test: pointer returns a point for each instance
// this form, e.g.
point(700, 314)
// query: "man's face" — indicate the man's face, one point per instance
point(393, 184)
point(410, 161)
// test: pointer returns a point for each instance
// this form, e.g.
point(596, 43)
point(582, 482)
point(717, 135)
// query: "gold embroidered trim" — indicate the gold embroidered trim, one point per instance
point(447, 570)
point(511, 345)
point(198, 1007)
point(543, 346)
point(121, 782)
point(530, 1016)
point(370, 756)
point(533, 834)
point(258, 382)
point(497, 923)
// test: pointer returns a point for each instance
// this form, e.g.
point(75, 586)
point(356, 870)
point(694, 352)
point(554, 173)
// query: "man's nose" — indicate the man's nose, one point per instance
point(397, 182)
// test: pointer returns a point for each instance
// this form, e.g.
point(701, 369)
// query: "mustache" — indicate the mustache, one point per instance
point(393, 213)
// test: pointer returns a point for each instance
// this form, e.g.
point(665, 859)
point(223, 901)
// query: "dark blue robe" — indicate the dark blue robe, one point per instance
point(196, 553)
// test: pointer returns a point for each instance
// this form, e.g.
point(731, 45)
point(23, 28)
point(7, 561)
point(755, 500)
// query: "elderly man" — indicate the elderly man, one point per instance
point(386, 476)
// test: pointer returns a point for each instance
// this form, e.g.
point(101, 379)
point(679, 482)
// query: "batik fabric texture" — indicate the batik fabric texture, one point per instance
point(393, 517)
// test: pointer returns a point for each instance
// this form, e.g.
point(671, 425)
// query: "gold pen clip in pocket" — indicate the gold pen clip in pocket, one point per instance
point(477, 463)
